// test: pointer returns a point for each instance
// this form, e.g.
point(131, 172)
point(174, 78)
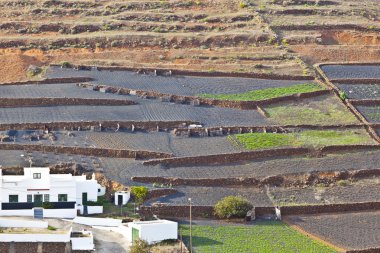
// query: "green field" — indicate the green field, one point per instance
point(314, 138)
point(262, 237)
point(324, 110)
point(268, 93)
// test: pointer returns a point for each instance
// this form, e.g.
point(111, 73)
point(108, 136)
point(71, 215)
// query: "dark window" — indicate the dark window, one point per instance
point(46, 197)
point(98, 190)
point(62, 197)
point(13, 198)
point(29, 198)
point(36, 175)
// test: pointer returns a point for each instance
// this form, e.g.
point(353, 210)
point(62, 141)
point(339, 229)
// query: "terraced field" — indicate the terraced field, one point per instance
point(351, 71)
point(348, 230)
point(361, 91)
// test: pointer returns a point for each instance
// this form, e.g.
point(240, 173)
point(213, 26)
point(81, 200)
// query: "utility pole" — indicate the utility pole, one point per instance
point(191, 236)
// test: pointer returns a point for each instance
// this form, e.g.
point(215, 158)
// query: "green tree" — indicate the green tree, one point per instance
point(140, 193)
point(232, 207)
point(140, 246)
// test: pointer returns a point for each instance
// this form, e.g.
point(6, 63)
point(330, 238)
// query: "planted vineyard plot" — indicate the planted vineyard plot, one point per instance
point(122, 170)
point(348, 230)
point(178, 85)
point(323, 110)
point(351, 71)
point(351, 192)
point(147, 110)
point(371, 113)
point(60, 90)
point(209, 196)
point(313, 138)
point(261, 237)
point(162, 142)
point(266, 93)
point(361, 91)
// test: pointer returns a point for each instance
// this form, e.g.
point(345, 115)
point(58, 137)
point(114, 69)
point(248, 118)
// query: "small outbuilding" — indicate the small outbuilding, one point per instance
point(152, 231)
point(122, 198)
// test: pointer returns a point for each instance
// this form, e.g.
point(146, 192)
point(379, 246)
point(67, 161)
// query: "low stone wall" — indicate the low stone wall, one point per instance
point(369, 250)
point(322, 27)
point(49, 247)
point(199, 73)
point(23, 247)
point(290, 180)
point(53, 81)
point(27, 102)
point(100, 152)
point(4, 247)
point(366, 102)
point(228, 158)
point(157, 193)
point(177, 211)
point(88, 125)
point(356, 81)
point(330, 208)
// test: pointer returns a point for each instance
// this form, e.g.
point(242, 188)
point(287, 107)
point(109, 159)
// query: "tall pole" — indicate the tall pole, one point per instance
point(191, 236)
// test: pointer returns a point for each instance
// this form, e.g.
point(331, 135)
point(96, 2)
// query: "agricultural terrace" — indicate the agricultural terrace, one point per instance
point(266, 93)
point(314, 138)
point(322, 110)
point(261, 237)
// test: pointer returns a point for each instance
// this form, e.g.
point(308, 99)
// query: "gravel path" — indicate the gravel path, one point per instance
point(348, 230)
point(351, 71)
point(179, 85)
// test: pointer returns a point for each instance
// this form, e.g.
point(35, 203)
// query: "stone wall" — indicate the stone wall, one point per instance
point(4, 246)
point(53, 81)
point(49, 247)
point(228, 158)
point(369, 250)
point(23, 247)
point(99, 152)
point(88, 125)
point(27, 102)
point(177, 211)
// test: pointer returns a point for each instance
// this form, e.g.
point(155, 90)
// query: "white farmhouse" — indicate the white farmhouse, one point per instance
point(61, 195)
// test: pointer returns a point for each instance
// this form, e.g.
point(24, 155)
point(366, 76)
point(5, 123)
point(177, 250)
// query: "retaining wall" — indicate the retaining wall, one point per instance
point(199, 73)
point(87, 125)
point(25, 102)
point(228, 158)
point(356, 81)
point(177, 211)
point(290, 180)
point(100, 152)
point(322, 27)
point(53, 81)
point(369, 250)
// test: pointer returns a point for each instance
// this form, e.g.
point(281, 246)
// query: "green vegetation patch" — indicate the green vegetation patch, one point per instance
point(268, 93)
point(314, 138)
point(325, 110)
point(263, 237)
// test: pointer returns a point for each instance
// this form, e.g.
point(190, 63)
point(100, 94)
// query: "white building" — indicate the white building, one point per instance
point(151, 231)
point(122, 198)
point(61, 195)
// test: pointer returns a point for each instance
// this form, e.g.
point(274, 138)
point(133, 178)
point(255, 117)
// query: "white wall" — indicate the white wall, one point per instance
point(62, 237)
point(126, 197)
point(48, 213)
point(12, 223)
point(83, 243)
point(153, 232)
point(106, 222)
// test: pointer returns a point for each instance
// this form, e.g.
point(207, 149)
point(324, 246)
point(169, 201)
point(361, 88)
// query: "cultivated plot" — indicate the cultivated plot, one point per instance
point(351, 71)
point(347, 230)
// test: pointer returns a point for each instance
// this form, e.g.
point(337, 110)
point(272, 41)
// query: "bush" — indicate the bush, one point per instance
point(232, 207)
point(242, 5)
point(65, 64)
point(140, 193)
point(140, 246)
point(343, 95)
point(47, 205)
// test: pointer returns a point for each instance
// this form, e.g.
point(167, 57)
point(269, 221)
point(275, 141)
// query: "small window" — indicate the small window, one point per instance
point(36, 175)
point(62, 197)
point(46, 197)
point(29, 198)
point(13, 198)
point(98, 190)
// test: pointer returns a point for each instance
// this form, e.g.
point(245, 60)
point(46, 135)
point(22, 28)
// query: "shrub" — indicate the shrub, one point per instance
point(232, 207)
point(140, 246)
point(242, 5)
point(140, 193)
point(51, 228)
point(47, 205)
point(343, 95)
point(65, 64)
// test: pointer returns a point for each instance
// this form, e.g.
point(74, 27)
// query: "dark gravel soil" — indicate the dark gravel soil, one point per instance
point(124, 169)
point(60, 90)
point(351, 71)
point(178, 85)
point(356, 192)
point(147, 110)
point(371, 113)
point(361, 91)
point(347, 230)
point(211, 195)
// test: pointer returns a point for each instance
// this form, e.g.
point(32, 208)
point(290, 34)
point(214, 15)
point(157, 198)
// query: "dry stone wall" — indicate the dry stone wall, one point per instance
point(27, 102)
